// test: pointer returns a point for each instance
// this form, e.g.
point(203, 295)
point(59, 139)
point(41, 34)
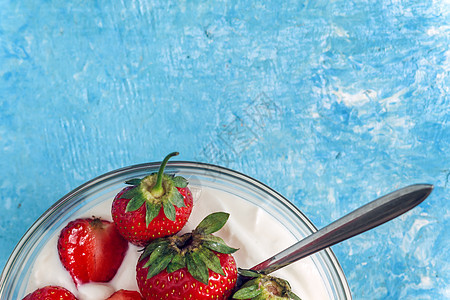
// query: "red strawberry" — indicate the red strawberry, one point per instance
point(156, 206)
point(49, 293)
point(91, 250)
point(264, 287)
point(196, 265)
point(125, 295)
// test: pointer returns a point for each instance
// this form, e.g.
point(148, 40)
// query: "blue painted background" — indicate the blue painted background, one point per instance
point(332, 103)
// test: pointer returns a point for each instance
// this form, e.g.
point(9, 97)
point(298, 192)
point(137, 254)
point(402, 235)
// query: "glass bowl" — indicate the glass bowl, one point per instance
point(16, 274)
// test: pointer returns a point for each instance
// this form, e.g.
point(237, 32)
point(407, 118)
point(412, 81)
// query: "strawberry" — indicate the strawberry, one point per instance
point(156, 206)
point(125, 295)
point(262, 287)
point(195, 265)
point(49, 293)
point(91, 249)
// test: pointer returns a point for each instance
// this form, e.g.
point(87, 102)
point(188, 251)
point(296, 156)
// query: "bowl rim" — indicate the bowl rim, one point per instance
point(175, 164)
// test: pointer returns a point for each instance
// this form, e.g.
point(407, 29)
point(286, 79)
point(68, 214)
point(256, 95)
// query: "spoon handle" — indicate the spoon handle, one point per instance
point(360, 220)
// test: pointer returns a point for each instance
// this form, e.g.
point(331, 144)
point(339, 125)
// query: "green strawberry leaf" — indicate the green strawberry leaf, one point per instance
point(180, 182)
point(248, 273)
point(218, 247)
point(211, 260)
point(212, 238)
point(152, 246)
point(160, 264)
point(197, 268)
point(157, 254)
point(152, 210)
point(135, 203)
point(131, 193)
point(177, 263)
point(212, 223)
point(293, 296)
point(134, 181)
point(217, 244)
point(248, 292)
point(169, 210)
point(176, 198)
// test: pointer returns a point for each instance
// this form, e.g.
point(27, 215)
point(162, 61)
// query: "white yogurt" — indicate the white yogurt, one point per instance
point(256, 233)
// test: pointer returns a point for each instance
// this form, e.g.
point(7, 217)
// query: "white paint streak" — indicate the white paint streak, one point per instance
point(8, 203)
point(445, 292)
point(355, 100)
point(425, 283)
point(411, 235)
point(331, 197)
point(393, 101)
point(339, 31)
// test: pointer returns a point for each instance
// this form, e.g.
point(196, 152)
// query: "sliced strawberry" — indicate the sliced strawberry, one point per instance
point(196, 265)
point(156, 206)
point(125, 295)
point(91, 249)
point(49, 293)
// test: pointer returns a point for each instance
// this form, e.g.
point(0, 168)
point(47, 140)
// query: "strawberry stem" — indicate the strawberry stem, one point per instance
point(157, 190)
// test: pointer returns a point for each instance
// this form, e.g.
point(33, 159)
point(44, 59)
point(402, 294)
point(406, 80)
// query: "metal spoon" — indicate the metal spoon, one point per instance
point(358, 221)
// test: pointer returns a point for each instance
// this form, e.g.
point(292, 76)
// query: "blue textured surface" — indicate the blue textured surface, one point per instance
point(332, 103)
